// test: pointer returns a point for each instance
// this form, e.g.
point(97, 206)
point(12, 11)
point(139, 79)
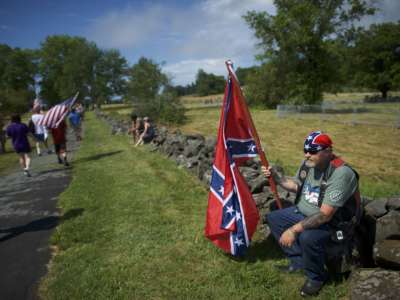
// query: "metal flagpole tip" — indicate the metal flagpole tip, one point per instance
point(229, 65)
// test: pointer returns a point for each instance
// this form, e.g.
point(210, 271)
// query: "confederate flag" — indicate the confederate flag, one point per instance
point(232, 215)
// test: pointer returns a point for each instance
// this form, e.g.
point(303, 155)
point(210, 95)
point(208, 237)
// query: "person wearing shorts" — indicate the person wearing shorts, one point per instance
point(60, 142)
point(40, 131)
point(18, 132)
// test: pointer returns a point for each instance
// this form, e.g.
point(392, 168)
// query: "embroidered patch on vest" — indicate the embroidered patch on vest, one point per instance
point(303, 174)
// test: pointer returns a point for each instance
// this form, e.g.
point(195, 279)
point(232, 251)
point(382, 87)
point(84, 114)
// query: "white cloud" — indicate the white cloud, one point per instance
point(388, 11)
point(203, 35)
point(127, 28)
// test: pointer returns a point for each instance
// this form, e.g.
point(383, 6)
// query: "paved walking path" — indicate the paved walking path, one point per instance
point(28, 216)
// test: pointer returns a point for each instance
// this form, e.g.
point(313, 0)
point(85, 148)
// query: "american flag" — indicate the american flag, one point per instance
point(57, 113)
point(232, 215)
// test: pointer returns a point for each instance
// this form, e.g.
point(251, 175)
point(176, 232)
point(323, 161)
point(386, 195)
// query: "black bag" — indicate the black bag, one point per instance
point(31, 126)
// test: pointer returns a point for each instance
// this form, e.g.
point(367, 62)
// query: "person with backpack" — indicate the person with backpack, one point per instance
point(327, 195)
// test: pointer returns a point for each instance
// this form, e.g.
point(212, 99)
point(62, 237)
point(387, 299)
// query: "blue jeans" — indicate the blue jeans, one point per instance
point(308, 251)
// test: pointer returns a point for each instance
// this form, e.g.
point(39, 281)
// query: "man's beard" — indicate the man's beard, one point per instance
point(310, 164)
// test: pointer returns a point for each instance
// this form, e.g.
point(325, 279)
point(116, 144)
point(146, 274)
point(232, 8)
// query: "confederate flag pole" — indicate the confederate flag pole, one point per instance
point(253, 131)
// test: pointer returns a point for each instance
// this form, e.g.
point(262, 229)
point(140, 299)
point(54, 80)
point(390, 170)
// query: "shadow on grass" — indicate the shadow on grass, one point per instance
point(264, 250)
point(40, 224)
point(97, 156)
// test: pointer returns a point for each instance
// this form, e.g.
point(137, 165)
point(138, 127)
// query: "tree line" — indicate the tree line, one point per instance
point(311, 47)
point(65, 65)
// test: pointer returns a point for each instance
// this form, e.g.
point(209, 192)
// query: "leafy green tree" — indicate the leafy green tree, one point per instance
point(376, 57)
point(297, 42)
point(66, 66)
point(145, 80)
point(70, 64)
point(109, 81)
point(208, 83)
point(264, 88)
point(17, 79)
point(151, 94)
point(188, 89)
point(243, 74)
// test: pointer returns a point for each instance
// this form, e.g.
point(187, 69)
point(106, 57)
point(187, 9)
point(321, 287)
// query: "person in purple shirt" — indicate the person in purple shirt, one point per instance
point(18, 132)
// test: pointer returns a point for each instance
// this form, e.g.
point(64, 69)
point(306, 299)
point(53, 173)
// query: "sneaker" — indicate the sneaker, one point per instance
point(311, 288)
point(66, 164)
point(26, 173)
point(39, 154)
point(49, 152)
point(60, 161)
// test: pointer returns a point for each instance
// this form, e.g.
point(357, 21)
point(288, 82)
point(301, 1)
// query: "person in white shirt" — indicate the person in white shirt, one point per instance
point(40, 131)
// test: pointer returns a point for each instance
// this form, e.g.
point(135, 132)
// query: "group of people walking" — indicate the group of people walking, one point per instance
point(19, 133)
point(142, 130)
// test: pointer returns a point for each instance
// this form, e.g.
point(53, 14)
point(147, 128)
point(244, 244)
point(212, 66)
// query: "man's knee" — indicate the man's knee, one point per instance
point(270, 218)
point(306, 238)
point(312, 238)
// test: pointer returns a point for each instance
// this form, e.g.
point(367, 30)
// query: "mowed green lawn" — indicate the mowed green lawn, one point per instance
point(133, 229)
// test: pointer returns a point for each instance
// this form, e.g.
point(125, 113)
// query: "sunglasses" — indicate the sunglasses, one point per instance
point(312, 152)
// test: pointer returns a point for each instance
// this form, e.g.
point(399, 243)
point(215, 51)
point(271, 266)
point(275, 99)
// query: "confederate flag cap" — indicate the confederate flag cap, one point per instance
point(317, 141)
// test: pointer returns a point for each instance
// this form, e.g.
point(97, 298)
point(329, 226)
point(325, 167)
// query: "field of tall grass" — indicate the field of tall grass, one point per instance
point(371, 150)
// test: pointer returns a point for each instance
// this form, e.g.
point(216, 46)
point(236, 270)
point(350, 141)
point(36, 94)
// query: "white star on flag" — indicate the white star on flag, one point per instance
point(238, 215)
point(239, 242)
point(252, 147)
point(230, 210)
point(221, 190)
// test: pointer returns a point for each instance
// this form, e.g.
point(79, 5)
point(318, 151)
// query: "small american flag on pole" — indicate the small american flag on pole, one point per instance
point(57, 113)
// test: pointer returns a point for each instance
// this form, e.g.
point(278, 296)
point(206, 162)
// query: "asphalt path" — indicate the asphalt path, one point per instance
point(28, 216)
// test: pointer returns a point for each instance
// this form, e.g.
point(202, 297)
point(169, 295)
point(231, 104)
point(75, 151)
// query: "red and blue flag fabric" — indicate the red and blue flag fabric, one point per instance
point(232, 215)
point(57, 113)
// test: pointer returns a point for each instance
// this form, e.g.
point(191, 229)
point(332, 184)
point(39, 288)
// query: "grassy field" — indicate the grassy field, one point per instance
point(139, 234)
point(372, 150)
point(8, 160)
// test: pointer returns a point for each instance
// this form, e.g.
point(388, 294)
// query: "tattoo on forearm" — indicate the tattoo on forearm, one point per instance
point(314, 221)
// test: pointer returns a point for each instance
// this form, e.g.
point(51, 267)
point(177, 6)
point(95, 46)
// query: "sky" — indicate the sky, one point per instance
point(181, 35)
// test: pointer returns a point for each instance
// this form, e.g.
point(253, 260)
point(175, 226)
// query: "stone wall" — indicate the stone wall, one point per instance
point(376, 254)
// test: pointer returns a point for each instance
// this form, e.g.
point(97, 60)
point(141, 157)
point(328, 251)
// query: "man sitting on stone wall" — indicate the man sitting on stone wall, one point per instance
point(326, 189)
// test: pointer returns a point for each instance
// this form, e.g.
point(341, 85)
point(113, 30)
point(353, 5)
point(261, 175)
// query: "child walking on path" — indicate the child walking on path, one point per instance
point(18, 132)
point(60, 142)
